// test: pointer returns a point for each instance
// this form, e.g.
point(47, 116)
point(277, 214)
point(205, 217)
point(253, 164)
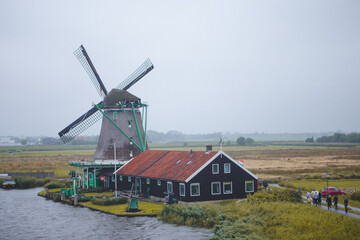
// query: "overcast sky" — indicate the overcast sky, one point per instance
point(236, 66)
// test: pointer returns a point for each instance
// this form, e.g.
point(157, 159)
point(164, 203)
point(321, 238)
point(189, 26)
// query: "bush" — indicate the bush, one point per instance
point(109, 201)
point(52, 185)
point(355, 196)
point(276, 195)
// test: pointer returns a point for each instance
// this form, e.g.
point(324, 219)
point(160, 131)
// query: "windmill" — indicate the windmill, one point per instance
point(122, 122)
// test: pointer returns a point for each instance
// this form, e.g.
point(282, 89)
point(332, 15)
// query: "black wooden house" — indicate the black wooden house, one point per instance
point(190, 176)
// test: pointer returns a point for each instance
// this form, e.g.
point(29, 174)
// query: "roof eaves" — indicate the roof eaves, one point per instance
point(237, 163)
point(202, 167)
point(212, 159)
point(123, 166)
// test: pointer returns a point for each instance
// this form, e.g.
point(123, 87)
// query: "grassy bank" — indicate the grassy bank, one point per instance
point(146, 208)
point(274, 214)
point(28, 182)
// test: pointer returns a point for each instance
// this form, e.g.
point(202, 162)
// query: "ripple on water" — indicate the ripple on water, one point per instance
point(26, 216)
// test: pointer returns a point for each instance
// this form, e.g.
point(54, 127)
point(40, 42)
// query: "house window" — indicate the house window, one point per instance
point(158, 182)
point(120, 177)
point(182, 189)
point(215, 188)
point(227, 187)
point(226, 167)
point(115, 115)
point(129, 179)
point(215, 168)
point(195, 189)
point(148, 181)
point(113, 179)
point(169, 187)
point(249, 186)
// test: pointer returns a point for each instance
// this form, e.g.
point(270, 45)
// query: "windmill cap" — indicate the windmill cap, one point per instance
point(116, 95)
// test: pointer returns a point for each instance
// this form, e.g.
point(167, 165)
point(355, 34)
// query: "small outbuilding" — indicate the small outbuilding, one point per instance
point(190, 176)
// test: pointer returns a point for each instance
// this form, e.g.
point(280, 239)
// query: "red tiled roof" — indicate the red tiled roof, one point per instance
point(166, 164)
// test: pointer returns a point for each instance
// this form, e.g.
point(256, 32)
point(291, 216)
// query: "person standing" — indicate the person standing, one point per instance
point(336, 202)
point(328, 200)
point(346, 202)
point(312, 194)
point(319, 199)
point(315, 198)
point(308, 197)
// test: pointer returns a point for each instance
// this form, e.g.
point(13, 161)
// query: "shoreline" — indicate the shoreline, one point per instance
point(147, 209)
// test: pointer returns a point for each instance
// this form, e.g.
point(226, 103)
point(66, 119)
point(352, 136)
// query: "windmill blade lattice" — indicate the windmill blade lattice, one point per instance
point(144, 68)
point(85, 61)
point(80, 125)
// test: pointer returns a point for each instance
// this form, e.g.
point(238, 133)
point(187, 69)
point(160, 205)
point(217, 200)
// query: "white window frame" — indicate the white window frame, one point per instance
point(167, 187)
point(129, 179)
point(212, 188)
point(218, 170)
point(224, 188)
point(194, 184)
point(225, 167)
point(252, 185)
point(158, 182)
point(182, 184)
point(148, 181)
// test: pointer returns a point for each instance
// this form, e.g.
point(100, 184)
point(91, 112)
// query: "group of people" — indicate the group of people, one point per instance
point(315, 198)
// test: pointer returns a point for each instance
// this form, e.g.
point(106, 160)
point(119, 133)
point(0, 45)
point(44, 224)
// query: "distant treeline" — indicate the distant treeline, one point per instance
point(340, 137)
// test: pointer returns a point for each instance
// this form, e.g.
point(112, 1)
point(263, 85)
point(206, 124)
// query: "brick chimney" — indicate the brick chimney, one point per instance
point(208, 148)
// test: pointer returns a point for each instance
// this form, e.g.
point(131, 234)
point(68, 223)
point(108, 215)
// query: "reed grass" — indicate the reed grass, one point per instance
point(266, 215)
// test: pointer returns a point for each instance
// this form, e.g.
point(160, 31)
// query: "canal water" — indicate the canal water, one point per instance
point(24, 215)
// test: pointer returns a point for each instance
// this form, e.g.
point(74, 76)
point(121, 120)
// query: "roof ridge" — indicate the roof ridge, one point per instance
point(154, 163)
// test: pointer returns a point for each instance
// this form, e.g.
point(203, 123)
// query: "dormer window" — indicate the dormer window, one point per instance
point(189, 162)
point(178, 161)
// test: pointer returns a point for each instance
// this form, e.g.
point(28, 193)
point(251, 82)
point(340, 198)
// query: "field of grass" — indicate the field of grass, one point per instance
point(267, 215)
point(319, 184)
point(273, 161)
point(43, 158)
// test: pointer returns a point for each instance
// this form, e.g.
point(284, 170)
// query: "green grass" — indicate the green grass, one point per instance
point(147, 209)
point(267, 215)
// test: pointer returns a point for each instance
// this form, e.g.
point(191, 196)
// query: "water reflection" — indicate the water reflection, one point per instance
point(24, 215)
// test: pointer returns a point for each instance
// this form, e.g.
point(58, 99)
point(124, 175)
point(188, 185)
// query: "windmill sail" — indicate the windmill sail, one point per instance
point(80, 125)
point(85, 61)
point(144, 68)
point(93, 115)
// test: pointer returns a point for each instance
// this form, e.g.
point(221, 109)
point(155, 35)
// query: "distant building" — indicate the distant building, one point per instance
point(6, 141)
point(190, 176)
